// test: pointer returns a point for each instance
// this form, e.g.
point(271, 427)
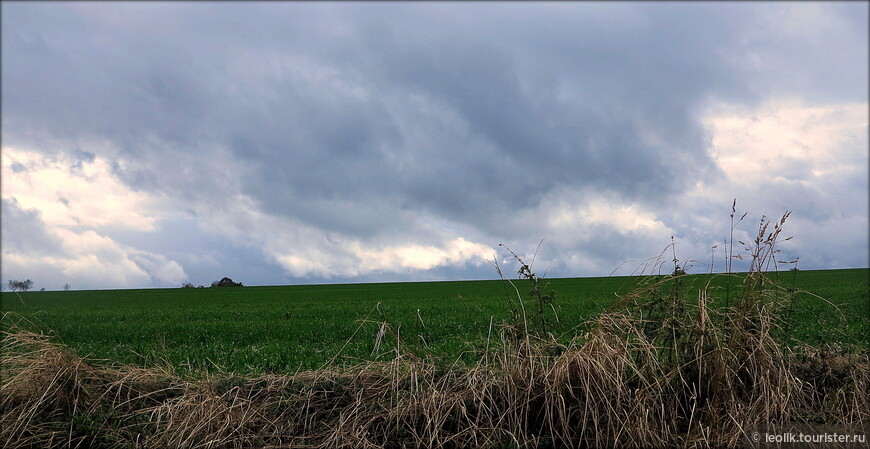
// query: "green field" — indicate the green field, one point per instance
point(284, 329)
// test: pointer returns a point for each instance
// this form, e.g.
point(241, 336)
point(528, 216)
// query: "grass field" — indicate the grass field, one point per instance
point(283, 329)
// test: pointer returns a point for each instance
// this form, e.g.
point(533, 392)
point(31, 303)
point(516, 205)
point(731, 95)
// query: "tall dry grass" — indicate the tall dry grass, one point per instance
point(661, 368)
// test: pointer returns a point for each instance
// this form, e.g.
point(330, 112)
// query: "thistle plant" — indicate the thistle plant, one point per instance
point(539, 295)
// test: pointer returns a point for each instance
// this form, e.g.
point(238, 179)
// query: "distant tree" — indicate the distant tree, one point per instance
point(20, 286)
point(226, 282)
point(187, 285)
point(66, 287)
point(42, 289)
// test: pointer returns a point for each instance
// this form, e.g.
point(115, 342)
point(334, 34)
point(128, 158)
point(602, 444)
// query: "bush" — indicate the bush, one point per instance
point(226, 282)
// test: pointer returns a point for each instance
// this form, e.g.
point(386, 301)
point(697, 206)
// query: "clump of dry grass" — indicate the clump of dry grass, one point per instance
point(657, 370)
point(50, 397)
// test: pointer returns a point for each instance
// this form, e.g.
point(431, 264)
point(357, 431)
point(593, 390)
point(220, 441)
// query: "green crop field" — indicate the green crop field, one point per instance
point(283, 329)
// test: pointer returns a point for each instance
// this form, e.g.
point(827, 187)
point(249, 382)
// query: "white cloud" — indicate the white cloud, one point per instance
point(64, 202)
point(352, 257)
point(454, 252)
point(779, 156)
point(598, 211)
point(305, 251)
point(789, 141)
point(90, 260)
point(71, 192)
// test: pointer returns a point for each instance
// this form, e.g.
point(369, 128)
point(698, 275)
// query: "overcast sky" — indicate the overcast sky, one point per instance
point(151, 144)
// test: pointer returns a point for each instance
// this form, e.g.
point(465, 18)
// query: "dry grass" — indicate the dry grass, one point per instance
point(657, 370)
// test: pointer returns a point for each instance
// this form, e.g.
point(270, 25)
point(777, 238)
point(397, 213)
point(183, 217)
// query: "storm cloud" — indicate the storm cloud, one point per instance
point(366, 141)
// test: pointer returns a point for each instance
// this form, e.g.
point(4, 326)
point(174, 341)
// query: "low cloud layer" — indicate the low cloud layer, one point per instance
point(330, 142)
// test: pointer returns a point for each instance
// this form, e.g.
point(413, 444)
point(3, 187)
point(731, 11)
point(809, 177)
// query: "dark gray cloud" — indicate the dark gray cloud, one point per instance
point(371, 121)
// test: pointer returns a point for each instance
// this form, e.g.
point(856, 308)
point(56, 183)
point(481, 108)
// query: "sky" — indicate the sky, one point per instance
point(153, 144)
